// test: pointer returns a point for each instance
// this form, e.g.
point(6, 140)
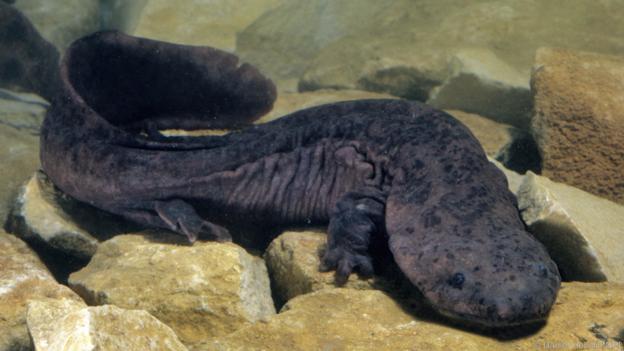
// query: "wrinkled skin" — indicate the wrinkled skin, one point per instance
point(371, 167)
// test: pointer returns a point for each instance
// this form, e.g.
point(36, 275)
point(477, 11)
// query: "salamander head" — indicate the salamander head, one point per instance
point(488, 283)
point(495, 284)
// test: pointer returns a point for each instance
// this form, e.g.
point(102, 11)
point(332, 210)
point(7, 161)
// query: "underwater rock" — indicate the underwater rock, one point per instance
point(293, 263)
point(309, 26)
point(20, 118)
point(23, 277)
point(514, 179)
point(582, 232)
point(42, 213)
point(202, 290)
point(36, 215)
point(121, 14)
point(196, 22)
point(27, 61)
point(62, 21)
point(408, 48)
point(478, 77)
point(97, 328)
point(579, 119)
point(351, 319)
point(513, 147)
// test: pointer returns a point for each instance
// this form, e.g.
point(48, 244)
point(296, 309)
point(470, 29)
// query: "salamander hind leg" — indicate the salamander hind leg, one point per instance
point(182, 218)
point(355, 218)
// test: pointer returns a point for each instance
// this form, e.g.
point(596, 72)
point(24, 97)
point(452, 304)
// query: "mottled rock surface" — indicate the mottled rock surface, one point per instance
point(345, 319)
point(579, 119)
point(57, 326)
point(20, 118)
point(202, 290)
point(23, 277)
point(408, 48)
point(62, 21)
point(198, 22)
point(583, 232)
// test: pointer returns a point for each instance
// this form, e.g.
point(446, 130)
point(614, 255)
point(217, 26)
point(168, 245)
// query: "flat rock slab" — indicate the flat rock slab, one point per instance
point(107, 328)
point(23, 277)
point(579, 119)
point(582, 232)
point(585, 315)
point(202, 290)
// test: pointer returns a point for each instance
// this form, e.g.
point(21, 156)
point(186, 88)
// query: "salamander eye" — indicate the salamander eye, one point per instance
point(457, 280)
point(542, 270)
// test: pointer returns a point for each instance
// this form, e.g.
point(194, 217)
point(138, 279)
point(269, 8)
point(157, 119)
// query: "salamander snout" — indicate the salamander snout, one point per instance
point(493, 288)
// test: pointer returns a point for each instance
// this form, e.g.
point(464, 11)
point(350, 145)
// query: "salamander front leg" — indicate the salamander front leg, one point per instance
point(182, 218)
point(356, 217)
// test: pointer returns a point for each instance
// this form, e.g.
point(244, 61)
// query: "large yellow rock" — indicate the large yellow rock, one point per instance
point(579, 119)
point(23, 277)
point(199, 290)
point(107, 328)
point(585, 315)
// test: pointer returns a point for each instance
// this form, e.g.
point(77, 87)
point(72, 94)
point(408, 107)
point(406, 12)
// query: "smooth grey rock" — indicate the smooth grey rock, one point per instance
point(582, 232)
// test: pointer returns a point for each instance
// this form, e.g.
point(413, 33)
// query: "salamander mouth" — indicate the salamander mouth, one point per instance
point(490, 322)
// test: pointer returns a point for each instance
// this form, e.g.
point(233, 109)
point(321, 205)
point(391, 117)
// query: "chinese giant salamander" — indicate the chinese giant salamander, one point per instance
point(369, 167)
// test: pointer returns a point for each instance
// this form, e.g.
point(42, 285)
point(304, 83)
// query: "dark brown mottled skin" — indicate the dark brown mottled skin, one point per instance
point(368, 167)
